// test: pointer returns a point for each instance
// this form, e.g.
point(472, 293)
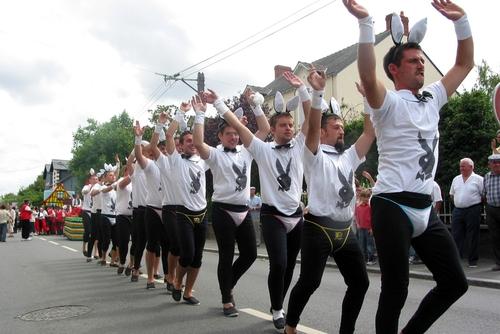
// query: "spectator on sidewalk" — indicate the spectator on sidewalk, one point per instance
point(363, 215)
point(466, 192)
point(24, 219)
point(255, 203)
point(492, 195)
point(12, 221)
point(4, 219)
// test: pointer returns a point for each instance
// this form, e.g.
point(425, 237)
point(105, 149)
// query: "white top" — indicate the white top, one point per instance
point(139, 188)
point(154, 193)
point(109, 203)
point(408, 140)
point(436, 194)
point(168, 181)
point(86, 197)
point(97, 199)
point(231, 175)
point(330, 182)
point(281, 172)
point(191, 183)
point(124, 200)
point(466, 193)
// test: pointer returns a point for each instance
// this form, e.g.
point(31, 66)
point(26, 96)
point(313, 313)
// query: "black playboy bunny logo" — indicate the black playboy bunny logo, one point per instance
point(195, 181)
point(428, 160)
point(241, 178)
point(112, 205)
point(346, 193)
point(130, 206)
point(284, 179)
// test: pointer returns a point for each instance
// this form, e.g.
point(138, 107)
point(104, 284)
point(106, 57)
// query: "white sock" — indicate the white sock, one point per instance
point(278, 314)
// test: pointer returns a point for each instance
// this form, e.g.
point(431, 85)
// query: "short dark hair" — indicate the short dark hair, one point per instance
point(395, 55)
point(184, 134)
point(274, 118)
point(328, 116)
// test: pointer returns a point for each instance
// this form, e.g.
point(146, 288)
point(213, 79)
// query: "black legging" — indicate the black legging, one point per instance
point(86, 225)
point(316, 246)
point(191, 232)
point(227, 233)
point(105, 234)
point(94, 233)
point(124, 226)
point(282, 249)
point(435, 247)
point(169, 218)
point(139, 234)
point(156, 236)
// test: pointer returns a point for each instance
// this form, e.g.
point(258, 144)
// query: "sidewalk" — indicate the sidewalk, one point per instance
point(481, 276)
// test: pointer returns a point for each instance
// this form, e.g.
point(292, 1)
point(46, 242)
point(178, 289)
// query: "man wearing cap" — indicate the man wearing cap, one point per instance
point(492, 195)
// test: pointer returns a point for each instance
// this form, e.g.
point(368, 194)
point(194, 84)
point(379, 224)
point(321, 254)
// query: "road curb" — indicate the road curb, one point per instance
point(473, 281)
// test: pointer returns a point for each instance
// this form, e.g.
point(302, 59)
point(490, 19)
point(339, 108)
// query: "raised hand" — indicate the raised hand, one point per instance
point(185, 107)
point(210, 96)
point(292, 79)
point(316, 79)
point(356, 9)
point(361, 89)
point(138, 131)
point(244, 121)
point(163, 117)
point(117, 158)
point(449, 10)
point(198, 104)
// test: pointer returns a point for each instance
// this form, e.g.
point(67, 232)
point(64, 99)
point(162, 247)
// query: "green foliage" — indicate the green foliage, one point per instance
point(33, 193)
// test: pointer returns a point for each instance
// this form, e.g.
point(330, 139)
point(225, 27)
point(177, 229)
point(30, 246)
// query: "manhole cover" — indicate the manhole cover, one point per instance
point(55, 313)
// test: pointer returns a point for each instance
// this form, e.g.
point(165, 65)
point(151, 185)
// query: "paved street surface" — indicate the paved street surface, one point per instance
point(51, 272)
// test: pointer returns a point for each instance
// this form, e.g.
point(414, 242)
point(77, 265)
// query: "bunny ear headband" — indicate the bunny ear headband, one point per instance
point(331, 109)
point(416, 34)
point(110, 168)
point(100, 173)
point(279, 103)
point(222, 122)
point(92, 172)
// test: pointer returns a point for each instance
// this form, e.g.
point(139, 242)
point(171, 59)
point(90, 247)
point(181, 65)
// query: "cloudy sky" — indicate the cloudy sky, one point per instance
point(62, 62)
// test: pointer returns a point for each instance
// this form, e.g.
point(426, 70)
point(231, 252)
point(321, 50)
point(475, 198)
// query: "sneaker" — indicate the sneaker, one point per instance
point(191, 300)
point(230, 312)
point(29, 238)
point(150, 285)
point(279, 324)
point(176, 294)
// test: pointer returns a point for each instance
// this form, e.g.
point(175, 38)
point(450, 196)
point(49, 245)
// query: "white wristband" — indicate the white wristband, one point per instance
point(366, 32)
point(317, 99)
point(179, 117)
point(257, 110)
point(462, 28)
point(220, 106)
point(304, 94)
point(199, 118)
point(138, 140)
point(158, 127)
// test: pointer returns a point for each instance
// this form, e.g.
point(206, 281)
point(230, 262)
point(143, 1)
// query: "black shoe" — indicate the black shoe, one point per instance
point(230, 312)
point(85, 253)
point(279, 324)
point(156, 276)
point(170, 287)
point(134, 278)
point(102, 262)
point(128, 271)
point(96, 257)
point(150, 285)
point(89, 259)
point(120, 270)
point(176, 294)
point(191, 300)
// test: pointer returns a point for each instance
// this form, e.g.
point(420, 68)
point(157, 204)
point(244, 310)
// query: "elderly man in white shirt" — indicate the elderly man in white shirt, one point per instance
point(466, 192)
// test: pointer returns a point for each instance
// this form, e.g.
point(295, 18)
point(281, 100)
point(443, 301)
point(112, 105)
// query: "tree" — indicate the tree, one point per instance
point(33, 192)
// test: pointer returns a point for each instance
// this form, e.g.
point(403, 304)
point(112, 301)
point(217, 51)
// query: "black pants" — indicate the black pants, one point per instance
point(191, 231)
point(25, 229)
point(169, 218)
point(106, 234)
point(493, 221)
point(316, 246)
point(124, 226)
point(156, 234)
point(465, 228)
point(94, 233)
point(86, 225)
point(282, 249)
point(227, 234)
point(139, 234)
point(435, 247)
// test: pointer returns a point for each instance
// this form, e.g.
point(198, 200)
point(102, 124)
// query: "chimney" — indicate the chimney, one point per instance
point(280, 69)
point(404, 19)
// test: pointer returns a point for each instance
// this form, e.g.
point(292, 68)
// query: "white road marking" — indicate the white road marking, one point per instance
point(69, 248)
point(265, 316)
point(53, 242)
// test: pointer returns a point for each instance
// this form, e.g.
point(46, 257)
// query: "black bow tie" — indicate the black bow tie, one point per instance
point(423, 97)
point(331, 152)
point(186, 156)
point(227, 149)
point(279, 147)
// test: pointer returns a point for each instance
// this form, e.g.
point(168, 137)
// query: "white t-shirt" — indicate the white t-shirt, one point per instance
point(281, 172)
point(97, 199)
point(330, 182)
point(436, 194)
point(139, 188)
point(191, 182)
point(466, 193)
point(109, 202)
point(154, 193)
point(408, 140)
point(86, 197)
point(231, 175)
point(124, 200)
point(168, 181)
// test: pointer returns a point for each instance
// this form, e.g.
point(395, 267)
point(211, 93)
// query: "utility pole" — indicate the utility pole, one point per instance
point(200, 80)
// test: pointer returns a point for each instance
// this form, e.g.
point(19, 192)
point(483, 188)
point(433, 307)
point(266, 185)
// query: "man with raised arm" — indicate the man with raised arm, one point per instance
point(281, 174)
point(329, 172)
point(406, 126)
point(230, 164)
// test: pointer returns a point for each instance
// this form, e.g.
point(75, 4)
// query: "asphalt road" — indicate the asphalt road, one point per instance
point(40, 274)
